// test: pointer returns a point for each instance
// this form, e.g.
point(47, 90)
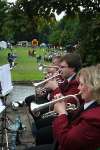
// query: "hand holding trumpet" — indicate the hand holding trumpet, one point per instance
point(52, 84)
point(60, 106)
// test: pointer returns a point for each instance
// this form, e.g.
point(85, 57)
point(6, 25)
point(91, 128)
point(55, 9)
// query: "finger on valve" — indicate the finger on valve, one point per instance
point(60, 108)
point(59, 95)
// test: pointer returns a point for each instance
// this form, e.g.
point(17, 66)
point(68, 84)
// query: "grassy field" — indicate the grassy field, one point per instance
point(26, 68)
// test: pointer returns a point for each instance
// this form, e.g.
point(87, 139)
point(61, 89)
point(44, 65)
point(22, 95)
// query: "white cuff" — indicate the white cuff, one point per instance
point(63, 114)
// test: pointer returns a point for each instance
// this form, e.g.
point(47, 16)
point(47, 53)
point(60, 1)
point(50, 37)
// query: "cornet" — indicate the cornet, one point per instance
point(44, 81)
point(35, 107)
point(40, 86)
point(43, 67)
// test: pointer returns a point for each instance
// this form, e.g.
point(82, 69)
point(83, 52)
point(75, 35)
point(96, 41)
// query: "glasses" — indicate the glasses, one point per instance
point(63, 66)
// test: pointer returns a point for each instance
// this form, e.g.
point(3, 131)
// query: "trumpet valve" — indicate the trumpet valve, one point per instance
point(70, 106)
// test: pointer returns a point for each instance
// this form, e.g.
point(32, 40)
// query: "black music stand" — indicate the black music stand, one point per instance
point(5, 88)
point(4, 130)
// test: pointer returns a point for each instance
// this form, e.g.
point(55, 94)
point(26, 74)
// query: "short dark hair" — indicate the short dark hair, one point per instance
point(73, 60)
point(56, 57)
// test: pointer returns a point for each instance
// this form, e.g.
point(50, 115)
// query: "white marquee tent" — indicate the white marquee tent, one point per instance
point(3, 44)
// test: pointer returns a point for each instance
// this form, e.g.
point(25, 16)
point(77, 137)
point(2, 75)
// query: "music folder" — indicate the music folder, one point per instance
point(5, 80)
point(2, 107)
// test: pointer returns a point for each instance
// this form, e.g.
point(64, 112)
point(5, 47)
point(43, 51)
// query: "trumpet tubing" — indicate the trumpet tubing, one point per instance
point(43, 66)
point(44, 81)
point(69, 106)
point(35, 107)
point(51, 66)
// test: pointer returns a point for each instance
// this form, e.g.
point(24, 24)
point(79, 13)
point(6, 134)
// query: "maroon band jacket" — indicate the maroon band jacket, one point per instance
point(82, 134)
point(68, 88)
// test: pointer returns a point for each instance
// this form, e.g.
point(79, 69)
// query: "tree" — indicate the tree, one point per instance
point(44, 7)
point(3, 9)
point(45, 27)
point(90, 38)
point(17, 26)
point(20, 24)
point(65, 31)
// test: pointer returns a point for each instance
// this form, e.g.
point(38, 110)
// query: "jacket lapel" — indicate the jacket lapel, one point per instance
point(93, 105)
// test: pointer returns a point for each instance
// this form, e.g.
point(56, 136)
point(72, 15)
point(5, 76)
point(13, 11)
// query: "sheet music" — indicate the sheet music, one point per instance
point(5, 79)
point(2, 107)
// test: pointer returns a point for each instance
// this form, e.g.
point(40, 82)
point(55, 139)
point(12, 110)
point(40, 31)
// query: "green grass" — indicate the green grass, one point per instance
point(26, 68)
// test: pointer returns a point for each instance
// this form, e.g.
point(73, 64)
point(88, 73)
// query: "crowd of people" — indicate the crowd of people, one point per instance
point(68, 130)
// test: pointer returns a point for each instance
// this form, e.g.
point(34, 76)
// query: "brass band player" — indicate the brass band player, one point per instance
point(84, 132)
point(41, 96)
point(69, 65)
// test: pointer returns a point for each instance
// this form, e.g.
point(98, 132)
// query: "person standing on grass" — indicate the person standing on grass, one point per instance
point(10, 60)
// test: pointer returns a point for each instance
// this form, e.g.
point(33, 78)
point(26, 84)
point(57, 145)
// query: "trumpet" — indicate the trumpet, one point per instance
point(44, 81)
point(35, 107)
point(42, 67)
point(40, 86)
point(69, 107)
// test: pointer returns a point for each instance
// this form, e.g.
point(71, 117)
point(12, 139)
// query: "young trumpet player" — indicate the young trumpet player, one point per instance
point(84, 132)
point(87, 125)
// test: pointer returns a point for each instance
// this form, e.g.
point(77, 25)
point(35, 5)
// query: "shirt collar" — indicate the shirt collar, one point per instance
point(70, 78)
point(86, 105)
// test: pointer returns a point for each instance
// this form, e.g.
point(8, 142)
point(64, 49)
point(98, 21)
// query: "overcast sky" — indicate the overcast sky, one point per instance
point(11, 0)
point(58, 17)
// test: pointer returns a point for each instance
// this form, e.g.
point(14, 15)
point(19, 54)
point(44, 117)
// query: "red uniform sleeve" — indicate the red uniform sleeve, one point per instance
point(77, 136)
